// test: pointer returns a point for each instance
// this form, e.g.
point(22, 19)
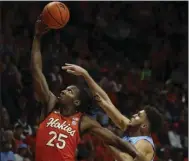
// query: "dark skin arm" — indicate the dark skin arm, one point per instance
point(41, 89)
point(100, 96)
point(120, 156)
point(91, 126)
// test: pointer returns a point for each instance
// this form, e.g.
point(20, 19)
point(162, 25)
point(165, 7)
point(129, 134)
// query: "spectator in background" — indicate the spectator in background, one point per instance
point(18, 132)
point(12, 73)
point(11, 83)
point(30, 139)
point(5, 121)
point(6, 154)
point(146, 71)
point(27, 159)
point(21, 152)
point(174, 137)
point(22, 121)
point(9, 138)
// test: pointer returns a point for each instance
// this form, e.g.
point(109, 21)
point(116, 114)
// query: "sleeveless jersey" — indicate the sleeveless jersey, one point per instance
point(58, 137)
point(134, 140)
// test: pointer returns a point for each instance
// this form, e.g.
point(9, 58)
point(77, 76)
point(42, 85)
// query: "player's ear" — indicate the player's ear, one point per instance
point(144, 126)
point(77, 102)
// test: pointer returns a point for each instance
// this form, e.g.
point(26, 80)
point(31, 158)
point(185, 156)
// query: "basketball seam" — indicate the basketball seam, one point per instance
point(60, 14)
point(53, 17)
point(67, 11)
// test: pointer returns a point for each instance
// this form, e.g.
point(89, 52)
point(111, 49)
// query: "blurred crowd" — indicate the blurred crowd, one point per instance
point(136, 51)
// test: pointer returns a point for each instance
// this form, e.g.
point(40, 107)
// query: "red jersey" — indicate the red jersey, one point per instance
point(58, 137)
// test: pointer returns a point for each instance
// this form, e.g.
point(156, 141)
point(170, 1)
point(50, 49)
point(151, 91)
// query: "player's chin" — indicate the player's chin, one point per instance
point(133, 123)
point(61, 100)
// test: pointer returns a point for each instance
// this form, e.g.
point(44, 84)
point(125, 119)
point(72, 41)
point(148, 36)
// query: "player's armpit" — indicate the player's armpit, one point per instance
point(119, 120)
point(145, 151)
point(120, 156)
point(90, 125)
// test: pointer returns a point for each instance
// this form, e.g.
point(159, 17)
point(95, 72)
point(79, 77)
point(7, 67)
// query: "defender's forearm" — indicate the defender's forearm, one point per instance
point(95, 88)
point(36, 60)
point(126, 147)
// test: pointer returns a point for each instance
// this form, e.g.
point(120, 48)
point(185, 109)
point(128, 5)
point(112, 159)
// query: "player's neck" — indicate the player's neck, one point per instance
point(135, 133)
point(68, 111)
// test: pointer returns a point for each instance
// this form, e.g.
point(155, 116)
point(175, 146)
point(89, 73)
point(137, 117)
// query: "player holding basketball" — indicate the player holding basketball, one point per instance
point(59, 132)
point(138, 128)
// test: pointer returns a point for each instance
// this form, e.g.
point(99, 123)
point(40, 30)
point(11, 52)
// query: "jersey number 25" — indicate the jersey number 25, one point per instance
point(60, 138)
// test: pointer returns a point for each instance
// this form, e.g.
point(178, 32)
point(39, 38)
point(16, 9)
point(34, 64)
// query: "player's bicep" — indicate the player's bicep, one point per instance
point(92, 126)
point(120, 156)
point(145, 150)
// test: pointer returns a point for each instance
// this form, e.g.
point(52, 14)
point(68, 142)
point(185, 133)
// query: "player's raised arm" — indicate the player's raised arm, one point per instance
point(89, 125)
point(100, 96)
point(41, 88)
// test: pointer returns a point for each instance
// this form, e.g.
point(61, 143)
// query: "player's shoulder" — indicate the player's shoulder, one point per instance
point(53, 114)
point(87, 123)
point(144, 145)
point(88, 120)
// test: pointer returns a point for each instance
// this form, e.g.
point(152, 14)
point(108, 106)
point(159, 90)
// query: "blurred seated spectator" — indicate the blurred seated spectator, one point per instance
point(22, 121)
point(8, 136)
point(26, 159)
point(5, 121)
point(21, 152)
point(6, 153)
point(30, 139)
point(18, 131)
point(174, 137)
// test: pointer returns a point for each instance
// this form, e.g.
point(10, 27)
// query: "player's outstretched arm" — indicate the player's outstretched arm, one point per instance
point(144, 148)
point(95, 88)
point(119, 120)
point(41, 88)
point(92, 126)
point(100, 96)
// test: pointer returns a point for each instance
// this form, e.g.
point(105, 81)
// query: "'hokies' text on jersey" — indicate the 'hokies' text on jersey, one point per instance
point(57, 138)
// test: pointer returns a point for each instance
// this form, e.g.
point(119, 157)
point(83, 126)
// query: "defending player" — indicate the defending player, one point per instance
point(140, 126)
point(59, 132)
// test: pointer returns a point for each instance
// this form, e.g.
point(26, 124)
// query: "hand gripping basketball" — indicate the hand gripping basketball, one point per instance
point(40, 27)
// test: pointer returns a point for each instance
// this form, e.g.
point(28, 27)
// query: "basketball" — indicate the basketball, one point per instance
point(55, 15)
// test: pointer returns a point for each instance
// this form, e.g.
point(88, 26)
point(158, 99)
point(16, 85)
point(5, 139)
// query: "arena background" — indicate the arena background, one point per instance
point(137, 51)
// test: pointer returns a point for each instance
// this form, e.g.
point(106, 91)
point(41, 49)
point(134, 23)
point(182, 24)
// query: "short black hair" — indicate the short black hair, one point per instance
point(155, 118)
point(85, 100)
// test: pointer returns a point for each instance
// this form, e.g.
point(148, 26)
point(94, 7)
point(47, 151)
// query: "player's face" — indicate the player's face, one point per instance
point(138, 118)
point(69, 95)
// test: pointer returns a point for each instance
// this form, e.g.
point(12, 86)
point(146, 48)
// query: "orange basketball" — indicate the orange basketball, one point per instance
point(55, 15)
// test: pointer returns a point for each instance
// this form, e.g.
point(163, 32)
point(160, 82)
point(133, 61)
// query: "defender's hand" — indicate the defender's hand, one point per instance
point(40, 27)
point(74, 69)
